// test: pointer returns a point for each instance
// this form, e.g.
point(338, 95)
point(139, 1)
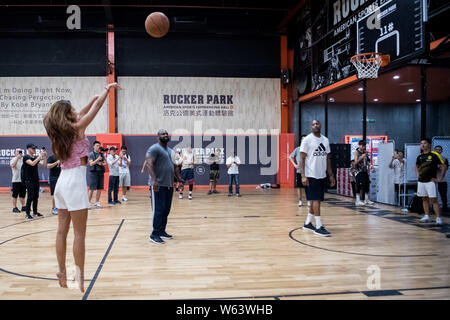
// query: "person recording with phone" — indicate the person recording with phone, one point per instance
point(18, 187)
point(233, 163)
point(124, 172)
point(55, 170)
point(97, 163)
point(30, 176)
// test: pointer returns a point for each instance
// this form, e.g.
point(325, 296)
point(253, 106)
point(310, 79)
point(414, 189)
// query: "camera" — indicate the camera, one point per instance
point(104, 149)
point(43, 148)
point(20, 151)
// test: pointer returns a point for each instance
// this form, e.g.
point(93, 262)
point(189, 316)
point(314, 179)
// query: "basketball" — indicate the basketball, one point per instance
point(157, 24)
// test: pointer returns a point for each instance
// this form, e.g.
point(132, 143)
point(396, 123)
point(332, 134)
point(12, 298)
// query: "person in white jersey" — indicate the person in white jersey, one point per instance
point(314, 165)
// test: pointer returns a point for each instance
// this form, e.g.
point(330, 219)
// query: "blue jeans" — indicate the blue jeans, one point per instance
point(161, 203)
point(233, 178)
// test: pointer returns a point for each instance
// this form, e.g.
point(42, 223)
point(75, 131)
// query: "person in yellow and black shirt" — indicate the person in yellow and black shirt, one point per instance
point(427, 165)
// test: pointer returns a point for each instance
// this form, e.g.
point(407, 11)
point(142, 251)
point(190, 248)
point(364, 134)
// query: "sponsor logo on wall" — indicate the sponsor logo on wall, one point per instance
point(197, 105)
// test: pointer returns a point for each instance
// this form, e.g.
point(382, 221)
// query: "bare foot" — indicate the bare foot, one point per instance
point(79, 277)
point(62, 279)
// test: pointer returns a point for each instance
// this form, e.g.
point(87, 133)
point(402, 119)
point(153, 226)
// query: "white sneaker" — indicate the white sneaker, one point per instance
point(309, 203)
point(124, 199)
point(180, 196)
point(439, 221)
point(368, 201)
point(425, 218)
point(97, 205)
point(359, 203)
point(300, 203)
point(190, 197)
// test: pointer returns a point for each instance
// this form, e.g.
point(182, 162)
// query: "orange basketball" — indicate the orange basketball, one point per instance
point(157, 24)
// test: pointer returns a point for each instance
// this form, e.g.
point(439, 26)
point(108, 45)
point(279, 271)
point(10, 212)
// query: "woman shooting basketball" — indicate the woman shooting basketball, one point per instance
point(66, 129)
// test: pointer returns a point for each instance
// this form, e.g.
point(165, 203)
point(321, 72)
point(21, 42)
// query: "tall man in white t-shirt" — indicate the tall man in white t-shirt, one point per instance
point(315, 163)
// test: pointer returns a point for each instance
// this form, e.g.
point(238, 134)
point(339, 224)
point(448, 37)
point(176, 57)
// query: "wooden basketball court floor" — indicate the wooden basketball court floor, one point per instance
point(231, 248)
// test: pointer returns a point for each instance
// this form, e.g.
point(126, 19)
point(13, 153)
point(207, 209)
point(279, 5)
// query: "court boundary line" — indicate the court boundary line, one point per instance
point(357, 253)
point(277, 297)
point(100, 267)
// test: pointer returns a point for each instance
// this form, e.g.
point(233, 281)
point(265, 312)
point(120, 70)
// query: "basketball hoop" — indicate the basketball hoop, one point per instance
point(368, 64)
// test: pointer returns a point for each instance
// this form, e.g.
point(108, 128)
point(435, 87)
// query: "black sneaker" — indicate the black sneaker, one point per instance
point(16, 210)
point(37, 214)
point(230, 194)
point(28, 217)
point(309, 226)
point(209, 192)
point(215, 191)
point(117, 202)
point(322, 232)
point(156, 239)
point(24, 209)
point(165, 235)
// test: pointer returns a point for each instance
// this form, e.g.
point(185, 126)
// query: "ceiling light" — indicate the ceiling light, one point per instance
point(410, 90)
point(360, 89)
point(331, 99)
point(375, 99)
point(417, 100)
point(396, 77)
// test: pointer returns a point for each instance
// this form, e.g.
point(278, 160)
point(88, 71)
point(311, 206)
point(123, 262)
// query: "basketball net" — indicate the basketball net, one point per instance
point(368, 64)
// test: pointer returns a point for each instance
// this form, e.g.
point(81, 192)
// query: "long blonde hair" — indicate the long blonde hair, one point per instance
point(59, 124)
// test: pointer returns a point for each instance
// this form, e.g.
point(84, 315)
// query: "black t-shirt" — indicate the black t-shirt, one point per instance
point(214, 165)
point(55, 171)
point(29, 173)
point(97, 168)
point(427, 164)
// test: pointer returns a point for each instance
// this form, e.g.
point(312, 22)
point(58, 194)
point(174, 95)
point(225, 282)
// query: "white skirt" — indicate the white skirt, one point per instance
point(71, 191)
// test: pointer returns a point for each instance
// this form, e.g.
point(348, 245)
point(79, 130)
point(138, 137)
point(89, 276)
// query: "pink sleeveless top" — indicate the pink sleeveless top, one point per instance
point(80, 149)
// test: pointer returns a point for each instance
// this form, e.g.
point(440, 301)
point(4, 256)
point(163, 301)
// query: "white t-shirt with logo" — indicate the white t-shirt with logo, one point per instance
point(16, 170)
point(399, 171)
point(234, 169)
point(317, 150)
point(123, 166)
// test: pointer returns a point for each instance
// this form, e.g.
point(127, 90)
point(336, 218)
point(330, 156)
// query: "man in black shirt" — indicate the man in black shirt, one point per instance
point(97, 173)
point(427, 165)
point(55, 169)
point(30, 176)
point(213, 173)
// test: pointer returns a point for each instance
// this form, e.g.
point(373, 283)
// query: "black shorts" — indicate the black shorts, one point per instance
point(19, 190)
point(188, 176)
point(316, 189)
point(97, 181)
point(52, 186)
point(362, 182)
point(298, 180)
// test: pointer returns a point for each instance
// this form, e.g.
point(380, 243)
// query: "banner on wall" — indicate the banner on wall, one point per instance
point(24, 101)
point(8, 145)
point(258, 154)
point(183, 104)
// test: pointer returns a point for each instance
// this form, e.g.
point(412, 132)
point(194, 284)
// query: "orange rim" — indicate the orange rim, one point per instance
point(385, 58)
